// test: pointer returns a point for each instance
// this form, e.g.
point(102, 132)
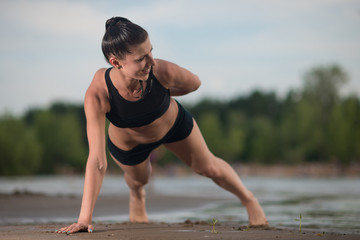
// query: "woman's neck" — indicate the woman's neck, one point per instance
point(126, 86)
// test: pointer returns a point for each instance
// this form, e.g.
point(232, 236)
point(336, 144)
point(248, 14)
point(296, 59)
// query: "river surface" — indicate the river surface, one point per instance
point(325, 204)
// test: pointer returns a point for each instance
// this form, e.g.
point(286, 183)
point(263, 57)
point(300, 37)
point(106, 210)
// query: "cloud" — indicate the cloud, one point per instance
point(59, 18)
point(52, 48)
point(188, 13)
point(47, 48)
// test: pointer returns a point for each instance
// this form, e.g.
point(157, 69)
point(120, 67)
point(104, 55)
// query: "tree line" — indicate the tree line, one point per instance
point(312, 124)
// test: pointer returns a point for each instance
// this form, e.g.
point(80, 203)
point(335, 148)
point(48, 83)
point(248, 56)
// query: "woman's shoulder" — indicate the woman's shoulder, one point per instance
point(99, 74)
point(96, 94)
point(98, 82)
point(165, 71)
point(164, 67)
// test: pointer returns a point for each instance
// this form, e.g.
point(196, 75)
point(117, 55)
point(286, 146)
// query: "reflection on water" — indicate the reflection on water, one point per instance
point(325, 204)
point(331, 204)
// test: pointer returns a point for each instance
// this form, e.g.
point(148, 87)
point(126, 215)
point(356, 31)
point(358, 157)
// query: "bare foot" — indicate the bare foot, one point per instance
point(256, 214)
point(137, 207)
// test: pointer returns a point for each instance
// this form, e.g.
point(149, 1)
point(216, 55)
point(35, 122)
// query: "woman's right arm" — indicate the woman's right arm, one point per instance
point(96, 163)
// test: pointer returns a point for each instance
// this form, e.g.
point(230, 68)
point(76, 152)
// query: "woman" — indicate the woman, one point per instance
point(135, 95)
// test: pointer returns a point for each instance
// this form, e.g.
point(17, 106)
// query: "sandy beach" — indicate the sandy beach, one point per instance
point(38, 206)
point(165, 231)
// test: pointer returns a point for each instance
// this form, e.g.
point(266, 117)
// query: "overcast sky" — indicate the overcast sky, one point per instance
point(50, 49)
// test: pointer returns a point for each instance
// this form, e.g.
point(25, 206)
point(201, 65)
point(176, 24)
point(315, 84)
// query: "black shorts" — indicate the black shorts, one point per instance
point(180, 130)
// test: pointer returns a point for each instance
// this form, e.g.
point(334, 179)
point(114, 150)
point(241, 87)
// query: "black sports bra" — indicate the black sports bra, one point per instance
point(128, 114)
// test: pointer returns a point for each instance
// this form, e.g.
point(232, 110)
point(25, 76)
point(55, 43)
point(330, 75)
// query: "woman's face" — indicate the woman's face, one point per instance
point(137, 64)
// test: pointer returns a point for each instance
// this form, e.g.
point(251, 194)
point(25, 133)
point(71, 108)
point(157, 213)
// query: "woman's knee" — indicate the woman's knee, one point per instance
point(138, 176)
point(141, 182)
point(136, 182)
point(210, 168)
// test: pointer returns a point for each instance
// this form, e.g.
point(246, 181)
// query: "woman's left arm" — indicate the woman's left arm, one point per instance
point(179, 80)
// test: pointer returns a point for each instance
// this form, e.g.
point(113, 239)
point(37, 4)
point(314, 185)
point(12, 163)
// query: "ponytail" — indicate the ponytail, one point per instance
point(119, 36)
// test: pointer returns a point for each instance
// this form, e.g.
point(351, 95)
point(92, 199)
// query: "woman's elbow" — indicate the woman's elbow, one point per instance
point(98, 164)
point(102, 167)
point(197, 83)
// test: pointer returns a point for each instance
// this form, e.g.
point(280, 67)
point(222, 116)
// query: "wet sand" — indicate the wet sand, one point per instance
point(27, 207)
point(37, 207)
point(162, 231)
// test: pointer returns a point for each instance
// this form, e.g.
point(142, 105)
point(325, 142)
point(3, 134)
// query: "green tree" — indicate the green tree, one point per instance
point(344, 131)
point(322, 90)
point(301, 133)
point(235, 136)
point(20, 151)
point(322, 85)
point(62, 141)
point(212, 131)
point(264, 142)
point(257, 104)
point(225, 142)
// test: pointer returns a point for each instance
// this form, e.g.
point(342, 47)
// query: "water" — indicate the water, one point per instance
point(328, 204)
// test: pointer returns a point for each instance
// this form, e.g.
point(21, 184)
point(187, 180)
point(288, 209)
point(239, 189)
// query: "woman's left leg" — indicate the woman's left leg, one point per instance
point(136, 177)
point(195, 153)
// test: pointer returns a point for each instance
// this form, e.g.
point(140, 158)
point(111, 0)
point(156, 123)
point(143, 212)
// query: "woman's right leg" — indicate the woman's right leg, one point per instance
point(137, 177)
point(195, 153)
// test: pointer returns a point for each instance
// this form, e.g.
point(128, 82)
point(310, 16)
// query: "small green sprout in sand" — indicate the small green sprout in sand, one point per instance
point(214, 221)
point(299, 220)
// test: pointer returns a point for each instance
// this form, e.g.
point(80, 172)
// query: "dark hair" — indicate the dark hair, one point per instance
point(120, 34)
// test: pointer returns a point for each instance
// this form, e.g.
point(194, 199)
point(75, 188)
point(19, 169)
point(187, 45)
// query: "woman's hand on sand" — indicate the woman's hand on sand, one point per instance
point(76, 227)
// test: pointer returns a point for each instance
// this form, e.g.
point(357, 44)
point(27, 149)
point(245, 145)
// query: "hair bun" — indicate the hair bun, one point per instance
point(114, 20)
